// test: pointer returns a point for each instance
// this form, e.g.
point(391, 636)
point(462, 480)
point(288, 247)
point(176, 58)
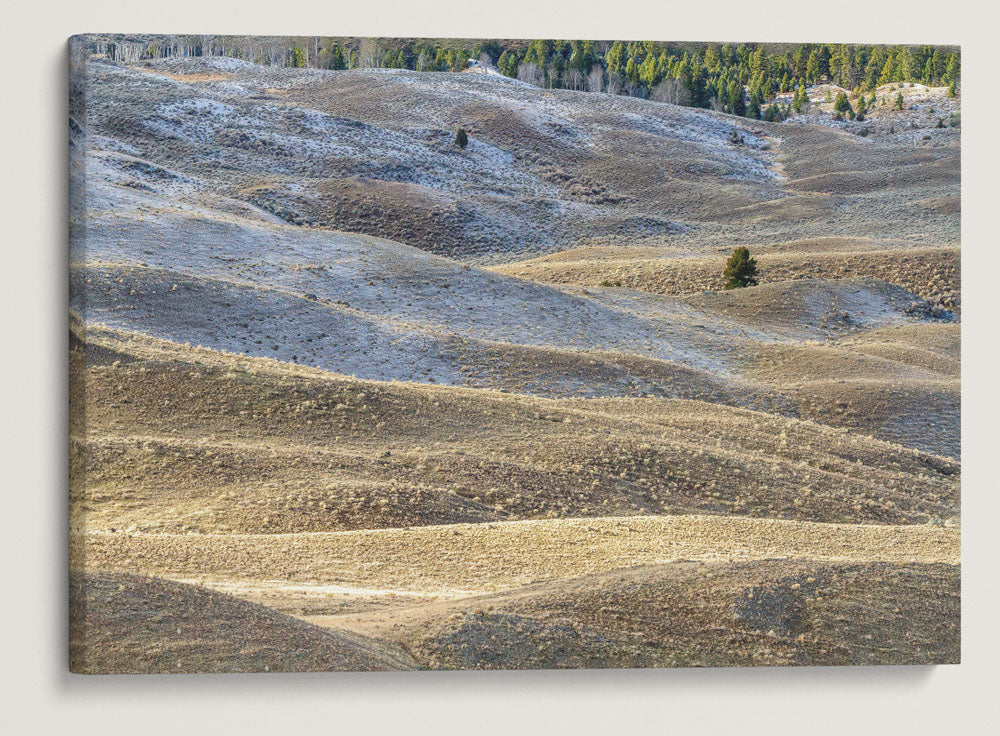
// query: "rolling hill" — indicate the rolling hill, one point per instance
point(347, 396)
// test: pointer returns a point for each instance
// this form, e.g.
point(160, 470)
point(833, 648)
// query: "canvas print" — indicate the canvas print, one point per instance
point(412, 353)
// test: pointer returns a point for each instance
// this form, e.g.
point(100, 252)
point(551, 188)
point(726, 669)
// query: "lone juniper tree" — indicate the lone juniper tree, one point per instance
point(461, 138)
point(741, 269)
point(842, 105)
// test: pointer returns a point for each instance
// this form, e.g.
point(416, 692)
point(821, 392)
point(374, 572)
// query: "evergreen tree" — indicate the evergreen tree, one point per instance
point(899, 101)
point(874, 67)
point(299, 57)
point(461, 138)
point(888, 69)
point(812, 68)
point(556, 67)
point(537, 54)
point(615, 59)
point(905, 70)
point(824, 62)
point(953, 69)
point(741, 269)
point(508, 63)
point(711, 61)
point(493, 48)
point(337, 58)
point(862, 108)
point(632, 70)
point(756, 98)
point(928, 75)
point(441, 60)
point(801, 102)
point(842, 104)
point(737, 105)
point(647, 71)
point(799, 60)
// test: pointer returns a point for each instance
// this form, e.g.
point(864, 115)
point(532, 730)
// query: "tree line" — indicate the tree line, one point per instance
point(734, 78)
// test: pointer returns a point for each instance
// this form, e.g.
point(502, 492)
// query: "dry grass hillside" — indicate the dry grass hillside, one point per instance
point(932, 273)
point(191, 432)
point(693, 614)
point(372, 152)
point(346, 396)
point(388, 510)
point(128, 624)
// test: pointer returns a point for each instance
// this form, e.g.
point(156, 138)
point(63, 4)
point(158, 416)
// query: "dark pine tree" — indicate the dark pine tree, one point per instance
point(741, 269)
point(842, 105)
point(737, 105)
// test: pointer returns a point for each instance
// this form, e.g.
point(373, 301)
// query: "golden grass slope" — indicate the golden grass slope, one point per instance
point(476, 558)
point(181, 439)
point(691, 614)
point(132, 624)
point(931, 272)
point(355, 524)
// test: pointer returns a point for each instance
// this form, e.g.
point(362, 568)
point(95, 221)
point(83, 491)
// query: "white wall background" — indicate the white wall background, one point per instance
point(39, 696)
